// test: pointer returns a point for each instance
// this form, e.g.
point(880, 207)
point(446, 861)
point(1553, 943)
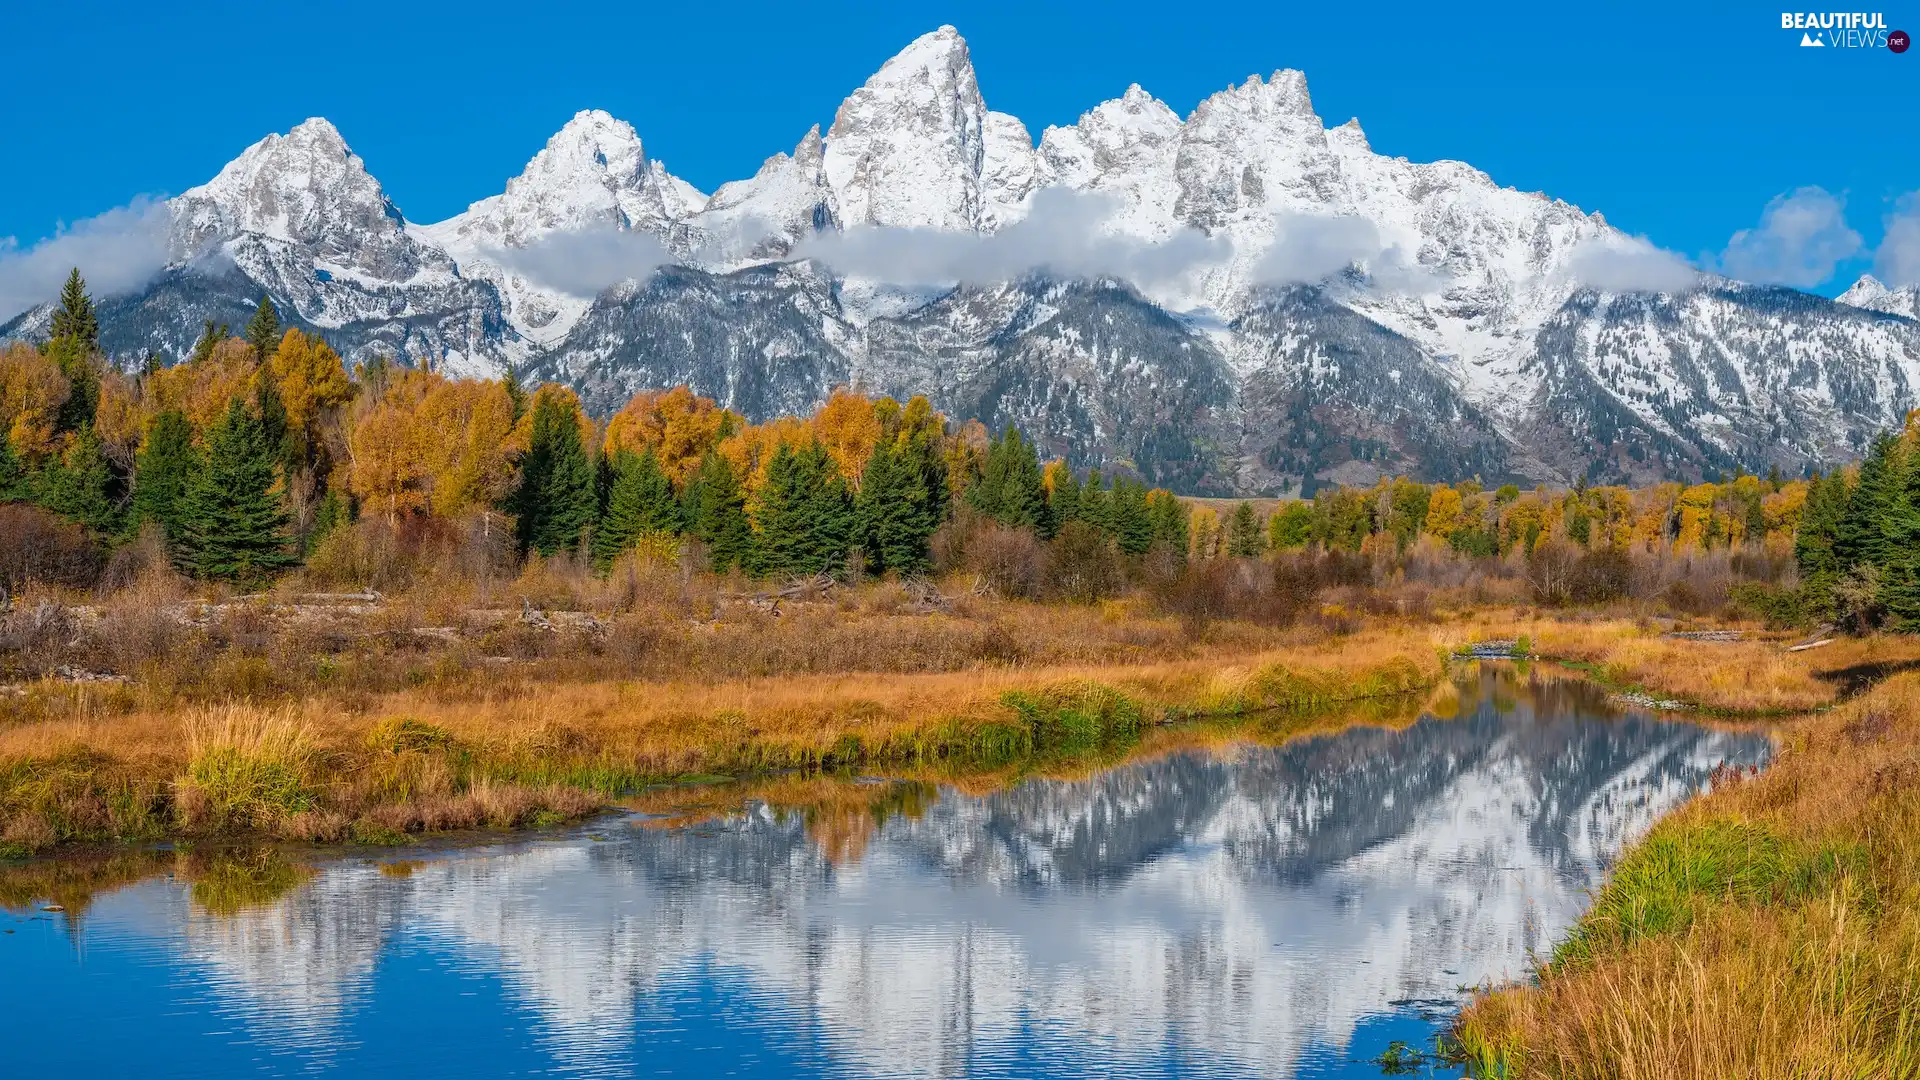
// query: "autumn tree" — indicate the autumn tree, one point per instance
point(32, 390)
point(677, 426)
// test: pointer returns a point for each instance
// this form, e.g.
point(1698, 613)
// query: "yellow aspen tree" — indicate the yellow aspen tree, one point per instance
point(849, 427)
point(676, 424)
point(32, 389)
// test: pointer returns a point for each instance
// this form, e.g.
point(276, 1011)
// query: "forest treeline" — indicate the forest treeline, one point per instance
point(261, 451)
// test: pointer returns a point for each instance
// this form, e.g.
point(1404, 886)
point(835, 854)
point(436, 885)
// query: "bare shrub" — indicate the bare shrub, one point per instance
point(1011, 561)
point(1083, 564)
point(37, 548)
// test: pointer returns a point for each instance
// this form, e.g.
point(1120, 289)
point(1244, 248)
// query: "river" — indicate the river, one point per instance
point(1230, 910)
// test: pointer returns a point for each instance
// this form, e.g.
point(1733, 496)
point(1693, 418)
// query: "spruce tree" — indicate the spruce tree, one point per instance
point(1096, 503)
point(1171, 523)
point(229, 521)
point(210, 335)
point(716, 514)
point(162, 472)
point(13, 475)
point(1063, 500)
point(555, 503)
point(1009, 490)
point(1900, 529)
point(1243, 533)
point(804, 514)
point(1861, 538)
point(75, 318)
point(75, 486)
point(640, 503)
point(263, 330)
point(1132, 525)
point(896, 518)
point(1814, 541)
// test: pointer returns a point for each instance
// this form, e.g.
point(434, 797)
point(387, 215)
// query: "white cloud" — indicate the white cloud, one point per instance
point(584, 264)
point(1063, 234)
point(1312, 248)
point(116, 252)
point(1801, 238)
point(1898, 260)
point(1616, 263)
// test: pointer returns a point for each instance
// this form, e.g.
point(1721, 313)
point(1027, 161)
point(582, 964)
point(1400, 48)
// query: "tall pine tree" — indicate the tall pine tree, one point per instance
point(804, 514)
point(13, 474)
point(74, 348)
point(263, 330)
point(162, 472)
point(1244, 539)
point(210, 336)
point(640, 502)
point(75, 486)
point(1009, 489)
point(230, 524)
point(896, 518)
point(716, 514)
point(1815, 539)
point(555, 504)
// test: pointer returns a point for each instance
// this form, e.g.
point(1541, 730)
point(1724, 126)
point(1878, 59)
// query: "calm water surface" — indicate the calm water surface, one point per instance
point(1250, 911)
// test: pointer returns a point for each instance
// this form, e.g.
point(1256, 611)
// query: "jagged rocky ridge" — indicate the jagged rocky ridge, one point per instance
point(1458, 340)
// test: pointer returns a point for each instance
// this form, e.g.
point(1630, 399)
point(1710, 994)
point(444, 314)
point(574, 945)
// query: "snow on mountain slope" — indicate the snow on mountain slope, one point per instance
point(1870, 294)
point(593, 175)
point(906, 149)
point(301, 218)
point(1348, 313)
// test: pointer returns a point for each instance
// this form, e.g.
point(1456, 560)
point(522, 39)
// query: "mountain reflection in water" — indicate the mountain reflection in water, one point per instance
point(1246, 910)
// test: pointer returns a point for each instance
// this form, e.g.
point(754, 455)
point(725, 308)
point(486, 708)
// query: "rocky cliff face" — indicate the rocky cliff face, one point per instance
point(1243, 300)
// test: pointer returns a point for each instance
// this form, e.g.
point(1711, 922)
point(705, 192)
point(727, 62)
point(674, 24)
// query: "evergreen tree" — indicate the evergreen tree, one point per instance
point(13, 475)
point(263, 331)
point(334, 511)
point(1171, 523)
point(640, 502)
point(716, 514)
point(1096, 503)
point(1862, 536)
point(1900, 529)
point(73, 348)
point(1243, 533)
point(1132, 524)
point(1063, 500)
point(76, 318)
point(210, 335)
point(1009, 490)
point(229, 521)
point(555, 503)
point(896, 517)
point(804, 514)
point(75, 486)
point(153, 365)
point(516, 394)
point(163, 470)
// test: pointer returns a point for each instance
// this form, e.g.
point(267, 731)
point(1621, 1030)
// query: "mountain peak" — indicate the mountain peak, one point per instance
point(1872, 294)
point(906, 149)
point(941, 49)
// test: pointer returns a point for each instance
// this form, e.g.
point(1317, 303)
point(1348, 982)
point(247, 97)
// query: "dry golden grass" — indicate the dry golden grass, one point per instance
point(1768, 929)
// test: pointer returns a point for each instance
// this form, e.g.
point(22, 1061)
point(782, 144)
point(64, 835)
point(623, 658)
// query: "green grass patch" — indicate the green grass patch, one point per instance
point(1683, 869)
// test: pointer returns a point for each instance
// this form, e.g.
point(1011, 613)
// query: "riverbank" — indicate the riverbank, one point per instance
point(541, 717)
point(535, 753)
point(1770, 928)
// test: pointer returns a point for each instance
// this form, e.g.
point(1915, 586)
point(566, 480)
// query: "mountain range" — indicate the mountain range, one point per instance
point(1243, 300)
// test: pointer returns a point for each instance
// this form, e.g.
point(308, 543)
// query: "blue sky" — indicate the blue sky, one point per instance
point(1678, 121)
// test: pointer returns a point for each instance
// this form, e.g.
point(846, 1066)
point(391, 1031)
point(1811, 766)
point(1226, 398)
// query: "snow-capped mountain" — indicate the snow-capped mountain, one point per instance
point(1871, 294)
point(1245, 299)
